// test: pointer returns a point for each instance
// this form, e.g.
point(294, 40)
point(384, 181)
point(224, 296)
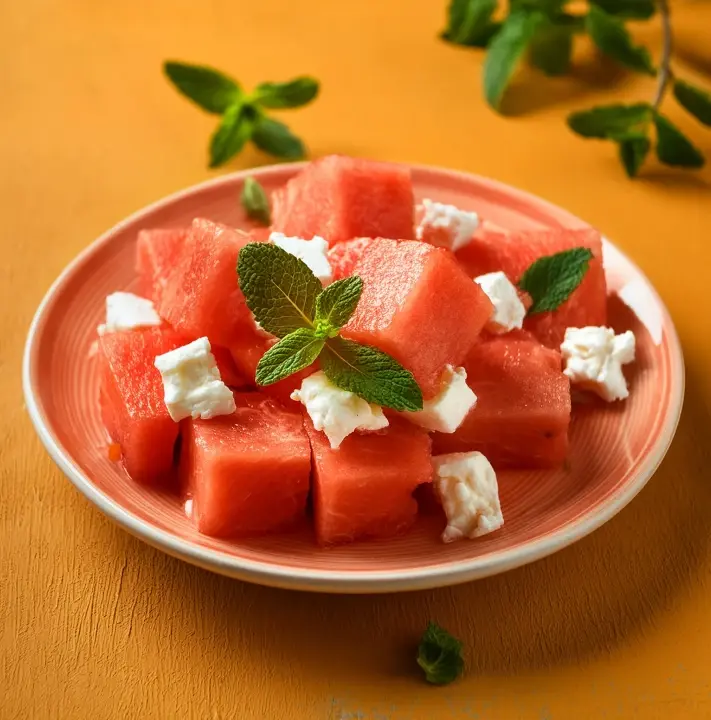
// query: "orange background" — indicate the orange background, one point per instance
point(95, 624)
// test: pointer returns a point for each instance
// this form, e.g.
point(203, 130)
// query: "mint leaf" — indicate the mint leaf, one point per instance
point(275, 138)
point(440, 656)
point(634, 149)
point(470, 22)
point(552, 279)
point(610, 121)
point(673, 147)
point(210, 89)
point(255, 201)
point(505, 51)
point(629, 9)
point(280, 289)
point(292, 353)
point(336, 304)
point(233, 132)
point(611, 36)
point(370, 374)
point(694, 100)
point(551, 48)
point(292, 94)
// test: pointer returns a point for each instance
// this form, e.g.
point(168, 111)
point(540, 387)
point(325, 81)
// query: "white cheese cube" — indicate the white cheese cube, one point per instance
point(594, 357)
point(509, 311)
point(192, 383)
point(313, 252)
point(126, 311)
point(452, 227)
point(467, 488)
point(446, 411)
point(335, 412)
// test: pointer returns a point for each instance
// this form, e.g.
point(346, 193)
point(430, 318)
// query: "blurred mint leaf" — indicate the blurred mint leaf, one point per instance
point(610, 121)
point(470, 22)
point(673, 147)
point(233, 132)
point(336, 304)
point(291, 94)
point(612, 37)
point(634, 149)
point(210, 89)
point(628, 9)
point(292, 353)
point(275, 138)
point(440, 655)
point(694, 100)
point(255, 201)
point(551, 48)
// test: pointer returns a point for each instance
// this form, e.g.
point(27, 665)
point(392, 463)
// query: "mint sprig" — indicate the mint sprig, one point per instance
point(287, 300)
point(243, 115)
point(440, 655)
point(255, 201)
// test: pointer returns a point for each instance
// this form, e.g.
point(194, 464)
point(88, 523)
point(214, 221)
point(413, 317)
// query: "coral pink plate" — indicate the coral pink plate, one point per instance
point(614, 448)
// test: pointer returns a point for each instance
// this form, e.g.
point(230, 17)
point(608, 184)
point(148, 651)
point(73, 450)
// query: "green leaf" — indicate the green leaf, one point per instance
point(470, 22)
point(233, 132)
point(610, 121)
point(611, 36)
point(673, 147)
point(694, 99)
point(629, 9)
point(551, 48)
point(505, 51)
point(280, 289)
point(292, 353)
point(275, 138)
point(209, 88)
point(440, 655)
point(634, 149)
point(552, 279)
point(292, 94)
point(336, 304)
point(370, 374)
point(255, 201)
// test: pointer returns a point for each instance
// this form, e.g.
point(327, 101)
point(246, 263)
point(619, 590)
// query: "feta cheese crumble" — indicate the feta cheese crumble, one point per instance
point(192, 383)
point(126, 311)
point(594, 357)
point(446, 411)
point(447, 225)
point(509, 311)
point(467, 488)
point(313, 252)
point(335, 412)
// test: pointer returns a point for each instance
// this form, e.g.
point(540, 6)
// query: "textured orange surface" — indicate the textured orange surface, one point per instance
point(93, 623)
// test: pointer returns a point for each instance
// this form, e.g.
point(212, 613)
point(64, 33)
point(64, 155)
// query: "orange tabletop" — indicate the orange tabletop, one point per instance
point(95, 624)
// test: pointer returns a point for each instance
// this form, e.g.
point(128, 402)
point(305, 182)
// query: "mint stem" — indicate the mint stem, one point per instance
point(665, 73)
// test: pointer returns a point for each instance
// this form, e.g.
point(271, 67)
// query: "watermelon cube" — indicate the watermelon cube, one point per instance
point(514, 252)
point(228, 370)
point(344, 257)
point(131, 399)
point(419, 306)
point(202, 295)
point(247, 473)
point(340, 198)
point(364, 488)
point(523, 411)
point(157, 253)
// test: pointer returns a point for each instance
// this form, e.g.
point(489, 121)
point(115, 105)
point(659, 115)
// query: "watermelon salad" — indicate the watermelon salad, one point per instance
point(247, 416)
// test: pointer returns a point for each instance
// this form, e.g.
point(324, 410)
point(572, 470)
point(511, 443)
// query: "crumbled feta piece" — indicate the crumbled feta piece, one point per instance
point(594, 357)
point(467, 488)
point(126, 311)
point(509, 311)
point(192, 383)
point(458, 225)
point(313, 252)
point(335, 412)
point(446, 411)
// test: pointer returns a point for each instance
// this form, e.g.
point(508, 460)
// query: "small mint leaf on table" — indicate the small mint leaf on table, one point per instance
point(552, 279)
point(292, 353)
point(611, 36)
point(255, 201)
point(210, 89)
point(440, 656)
point(610, 121)
point(673, 147)
point(233, 132)
point(470, 22)
point(336, 304)
point(628, 9)
point(275, 138)
point(634, 149)
point(280, 289)
point(292, 94)
point(694, 100)
point(370, 374)
point(551, 48)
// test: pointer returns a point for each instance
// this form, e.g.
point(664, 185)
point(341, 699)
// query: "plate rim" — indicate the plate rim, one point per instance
point(356, 581)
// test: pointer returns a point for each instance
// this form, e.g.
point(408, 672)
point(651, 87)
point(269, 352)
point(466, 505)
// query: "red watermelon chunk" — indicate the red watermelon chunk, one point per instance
point(157, 253)
point(340, 198)
point(131, 398)
point(247, 473)
point(228, 370)
point(202, 295)
point(419, 306)
point(514, 252)
point(344, 257)
point(523, 411)
point(364, 488)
